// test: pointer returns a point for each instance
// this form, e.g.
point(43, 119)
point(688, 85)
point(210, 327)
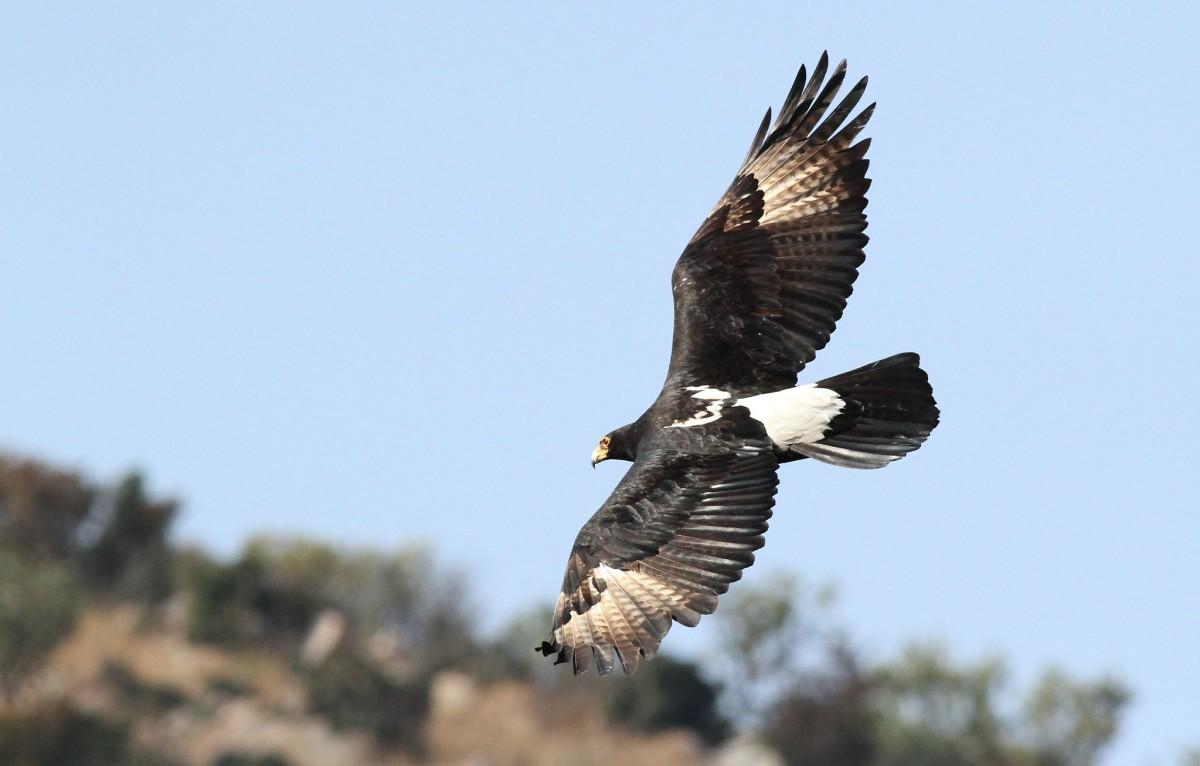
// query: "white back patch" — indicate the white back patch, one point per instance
point(797, 415)
point(717, 399)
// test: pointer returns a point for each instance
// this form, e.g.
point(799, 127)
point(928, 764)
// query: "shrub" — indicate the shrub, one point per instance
point(139, 697)
point(666, 693)
point(41, 508)
point(351, 692)
point(277, 588)
point(221, 598)
point(60, 735)
point(38, 604)
point(244, 759)
point(825, 718)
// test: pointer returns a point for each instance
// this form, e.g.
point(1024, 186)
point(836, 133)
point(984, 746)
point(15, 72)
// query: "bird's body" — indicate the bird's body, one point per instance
point(757, 293)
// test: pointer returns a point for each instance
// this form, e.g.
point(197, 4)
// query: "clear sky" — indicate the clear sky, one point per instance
point(387, 274)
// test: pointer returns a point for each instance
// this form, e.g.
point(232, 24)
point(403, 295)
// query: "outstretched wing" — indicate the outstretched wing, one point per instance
point(761, 285)
point(677, 530)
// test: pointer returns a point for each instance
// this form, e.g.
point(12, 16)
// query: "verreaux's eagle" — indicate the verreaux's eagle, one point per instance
point(757, 291)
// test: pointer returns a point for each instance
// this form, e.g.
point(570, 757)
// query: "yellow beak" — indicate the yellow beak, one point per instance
point(599, 454)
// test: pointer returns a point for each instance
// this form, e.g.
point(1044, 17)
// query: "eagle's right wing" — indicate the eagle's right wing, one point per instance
point(677, 530)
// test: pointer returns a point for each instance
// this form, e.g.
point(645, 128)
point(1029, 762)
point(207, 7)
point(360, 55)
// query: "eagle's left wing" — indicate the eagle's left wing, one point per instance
point(677, 530)
point(761, 285)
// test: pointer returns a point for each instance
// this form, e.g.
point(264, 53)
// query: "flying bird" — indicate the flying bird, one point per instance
point(757, 293)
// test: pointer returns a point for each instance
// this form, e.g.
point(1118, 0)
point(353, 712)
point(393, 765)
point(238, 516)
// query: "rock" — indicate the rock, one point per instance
point(452, 694)
point(324, 636)
point(746, 751)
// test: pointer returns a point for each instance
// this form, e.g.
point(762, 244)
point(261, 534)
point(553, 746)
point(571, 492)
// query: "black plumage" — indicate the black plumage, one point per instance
point(757, 292)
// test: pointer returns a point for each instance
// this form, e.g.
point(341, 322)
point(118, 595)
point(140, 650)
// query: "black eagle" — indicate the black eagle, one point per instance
point(757, 291)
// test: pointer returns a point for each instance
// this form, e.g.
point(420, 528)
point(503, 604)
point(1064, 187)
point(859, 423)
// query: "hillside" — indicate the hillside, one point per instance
point(119, 647)
point(186, 703)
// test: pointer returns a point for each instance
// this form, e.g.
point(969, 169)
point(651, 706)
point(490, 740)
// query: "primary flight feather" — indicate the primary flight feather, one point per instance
point(758, 291)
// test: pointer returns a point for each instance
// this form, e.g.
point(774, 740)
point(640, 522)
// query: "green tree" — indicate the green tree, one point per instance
point(826, 717)
point(924, 708)
point(129, 556)
point(277, 587)
point(508, 655)
point(769, 631)
point(41, 508)
point(1070, 722)
point(762, 625)
point(221, 597)
point(936, 713)
point(422, 607)
point(116, 538)
point(666, 693)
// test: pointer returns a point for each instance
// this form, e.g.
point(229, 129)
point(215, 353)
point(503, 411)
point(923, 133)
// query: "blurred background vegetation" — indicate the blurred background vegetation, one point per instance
point(118, 647)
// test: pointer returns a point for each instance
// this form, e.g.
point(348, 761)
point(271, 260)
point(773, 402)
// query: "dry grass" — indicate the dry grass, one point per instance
point(502, 724)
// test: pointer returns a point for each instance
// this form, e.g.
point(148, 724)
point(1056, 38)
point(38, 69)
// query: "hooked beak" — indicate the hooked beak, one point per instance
point(600, 454)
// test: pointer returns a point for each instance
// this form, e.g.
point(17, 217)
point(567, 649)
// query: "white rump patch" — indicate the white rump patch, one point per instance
point(797, 415)
point(717, 399)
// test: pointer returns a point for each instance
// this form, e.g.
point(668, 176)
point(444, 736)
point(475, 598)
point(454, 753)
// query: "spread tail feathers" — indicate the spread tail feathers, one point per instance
point(889, 411)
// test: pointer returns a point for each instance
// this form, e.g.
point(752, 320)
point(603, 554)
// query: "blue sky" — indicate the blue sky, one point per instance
point(387, 274)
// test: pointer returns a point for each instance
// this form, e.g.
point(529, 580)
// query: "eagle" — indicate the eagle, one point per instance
point(757, 292)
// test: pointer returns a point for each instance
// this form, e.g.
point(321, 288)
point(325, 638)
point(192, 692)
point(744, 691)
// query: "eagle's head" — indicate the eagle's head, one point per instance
point(618, 444)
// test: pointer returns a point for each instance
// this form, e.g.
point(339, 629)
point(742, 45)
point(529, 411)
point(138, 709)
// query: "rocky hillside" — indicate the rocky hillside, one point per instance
point(120, 648)
point(136, 674)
